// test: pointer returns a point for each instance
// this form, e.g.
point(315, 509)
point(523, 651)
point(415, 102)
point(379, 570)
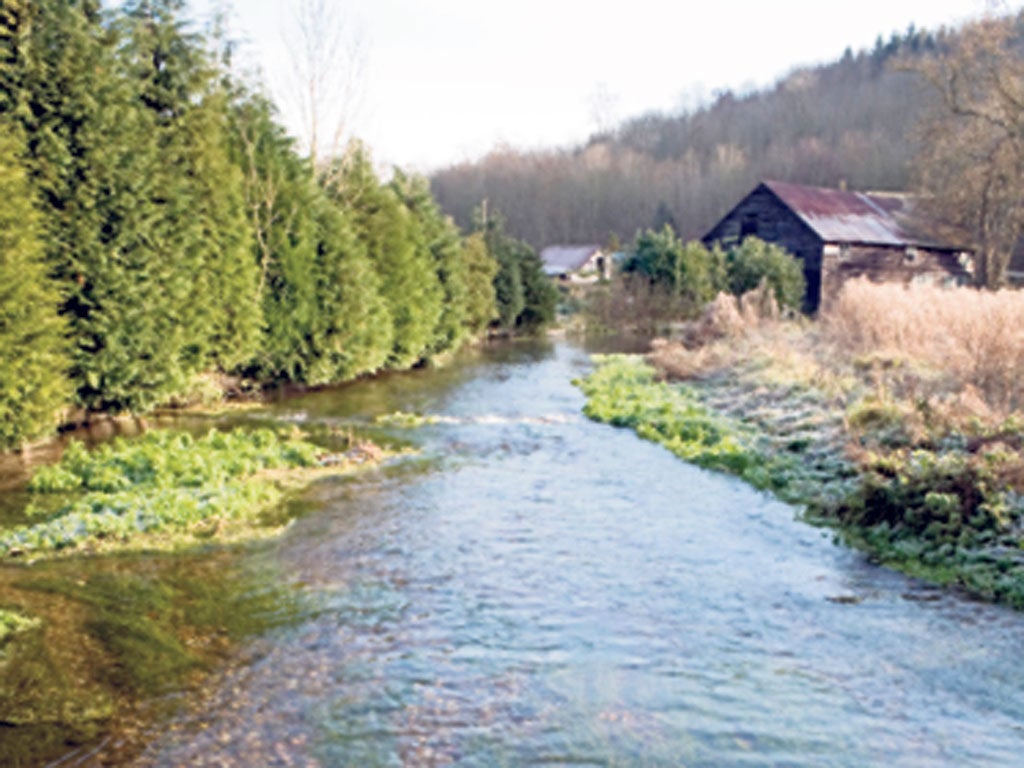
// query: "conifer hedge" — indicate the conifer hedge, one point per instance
point(157, 223)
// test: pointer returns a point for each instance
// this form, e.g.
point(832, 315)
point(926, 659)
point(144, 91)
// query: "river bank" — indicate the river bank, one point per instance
point(106, 598)
point(533, 587)
point(903, 463)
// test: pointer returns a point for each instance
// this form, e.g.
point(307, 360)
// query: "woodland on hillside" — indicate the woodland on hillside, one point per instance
point(850, 122)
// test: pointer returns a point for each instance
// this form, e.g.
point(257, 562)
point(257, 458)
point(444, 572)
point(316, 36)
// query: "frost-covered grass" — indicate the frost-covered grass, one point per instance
point(159, 490)
point(622, 391)
point(919, 454)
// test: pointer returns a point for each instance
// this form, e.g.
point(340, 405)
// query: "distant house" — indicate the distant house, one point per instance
point(839, 235)
point(576, 263)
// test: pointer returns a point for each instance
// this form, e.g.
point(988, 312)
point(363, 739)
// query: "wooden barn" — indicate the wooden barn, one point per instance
point(576, 263)
point(839, 235)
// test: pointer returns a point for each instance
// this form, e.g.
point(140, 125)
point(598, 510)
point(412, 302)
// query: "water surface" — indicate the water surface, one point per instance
point(537, 589)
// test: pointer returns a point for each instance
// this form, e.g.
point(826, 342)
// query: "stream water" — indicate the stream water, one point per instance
point(537, 589)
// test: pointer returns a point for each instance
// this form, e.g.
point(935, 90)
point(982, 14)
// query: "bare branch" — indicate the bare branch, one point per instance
point(328, 73)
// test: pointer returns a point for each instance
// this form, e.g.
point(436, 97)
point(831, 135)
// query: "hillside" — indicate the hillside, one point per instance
point(848, 121)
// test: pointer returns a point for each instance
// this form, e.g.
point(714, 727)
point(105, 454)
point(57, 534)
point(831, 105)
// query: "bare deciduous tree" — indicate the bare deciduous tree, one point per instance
point(328, 74)
point(971, 165)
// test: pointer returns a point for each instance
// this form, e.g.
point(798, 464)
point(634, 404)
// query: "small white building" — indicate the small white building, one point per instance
point(577, 263)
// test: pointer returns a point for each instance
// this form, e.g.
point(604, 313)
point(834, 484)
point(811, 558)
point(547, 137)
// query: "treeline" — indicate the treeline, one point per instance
point(157, 223)
point(846, 121)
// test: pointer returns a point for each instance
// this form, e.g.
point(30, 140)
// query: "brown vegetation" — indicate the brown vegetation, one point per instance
point(957, 352)
point(911, 418)
point(845, 121)
point(959, 342)
point(972, 143)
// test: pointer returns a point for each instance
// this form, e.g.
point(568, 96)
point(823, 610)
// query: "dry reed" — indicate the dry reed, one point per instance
point(975, 339)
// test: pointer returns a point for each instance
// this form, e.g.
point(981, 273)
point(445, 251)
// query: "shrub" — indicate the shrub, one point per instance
point(754, 261)
point(689, 272)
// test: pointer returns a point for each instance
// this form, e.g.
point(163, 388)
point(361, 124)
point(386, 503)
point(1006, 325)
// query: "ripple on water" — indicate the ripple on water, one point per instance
point(559, 592)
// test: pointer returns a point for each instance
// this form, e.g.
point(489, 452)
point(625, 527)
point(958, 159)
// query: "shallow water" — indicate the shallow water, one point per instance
point(537, 589)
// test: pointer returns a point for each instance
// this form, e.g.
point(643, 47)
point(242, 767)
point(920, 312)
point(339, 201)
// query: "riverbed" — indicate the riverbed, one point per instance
point(533, 588)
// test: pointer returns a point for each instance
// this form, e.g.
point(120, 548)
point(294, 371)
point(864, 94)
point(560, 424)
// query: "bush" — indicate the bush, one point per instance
point(754, 261)
point(689, 272)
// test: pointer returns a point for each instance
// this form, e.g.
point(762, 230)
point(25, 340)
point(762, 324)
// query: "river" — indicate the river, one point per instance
point(536, 589)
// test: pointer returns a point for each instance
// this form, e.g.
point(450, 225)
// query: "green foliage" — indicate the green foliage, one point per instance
point(283, 205)
point(691, 273)
point(940, 496)
point(398, 249)
point(755, 260)
point(444, 245)
point(481, 272)
point(525, 297)
point(201, 214)
point(539, 293)
point(944, 514)
point(33, 360)
point(622, 392)
point(353, 332)
point(163, 482)
point(184, 235)
point(13, 623)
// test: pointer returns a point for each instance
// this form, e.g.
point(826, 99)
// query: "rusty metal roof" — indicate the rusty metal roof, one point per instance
point(562, 259)
point(875, 218)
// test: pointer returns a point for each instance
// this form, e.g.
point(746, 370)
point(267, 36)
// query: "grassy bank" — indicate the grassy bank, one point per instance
point(88, 644)
point(167, 490)
point(896, 419)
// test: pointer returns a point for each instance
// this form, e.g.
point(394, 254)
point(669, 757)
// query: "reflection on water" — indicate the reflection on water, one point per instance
point(544, 590)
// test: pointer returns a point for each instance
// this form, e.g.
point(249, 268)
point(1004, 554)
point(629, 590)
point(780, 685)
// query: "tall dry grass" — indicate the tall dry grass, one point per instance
point(974, 338)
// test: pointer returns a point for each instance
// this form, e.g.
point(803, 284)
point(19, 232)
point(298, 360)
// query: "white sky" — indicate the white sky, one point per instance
point(447, 80)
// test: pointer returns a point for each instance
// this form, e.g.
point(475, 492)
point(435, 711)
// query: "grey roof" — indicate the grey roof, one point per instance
point(839, 216)
point(562, 259)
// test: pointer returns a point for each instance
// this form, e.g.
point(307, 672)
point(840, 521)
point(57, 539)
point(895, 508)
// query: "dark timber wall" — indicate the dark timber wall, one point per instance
point(889, 264)
point(761, 214)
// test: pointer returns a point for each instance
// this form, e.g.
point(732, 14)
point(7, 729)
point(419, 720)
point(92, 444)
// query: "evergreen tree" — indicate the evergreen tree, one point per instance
point(398, 249)
point(279, 198)
point(540, 296)
point(91, 160)
point(526, 298)
point(200, 191)
point(509, 295)
point(445, 248)
point(481, 270)
point(326, 320)
point(33, 361)
point(354, 328)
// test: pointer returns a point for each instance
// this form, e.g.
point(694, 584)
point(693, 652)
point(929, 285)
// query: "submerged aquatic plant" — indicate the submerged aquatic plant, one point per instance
point(13, 623)
point(166, 482)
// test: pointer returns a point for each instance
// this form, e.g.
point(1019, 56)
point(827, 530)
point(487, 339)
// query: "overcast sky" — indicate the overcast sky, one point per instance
point(447, 80)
